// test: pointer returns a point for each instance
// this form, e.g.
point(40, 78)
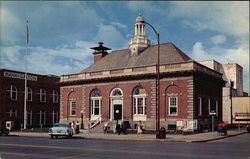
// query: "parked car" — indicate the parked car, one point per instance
point(248, 128)
point(3, 130)
point(60, 129)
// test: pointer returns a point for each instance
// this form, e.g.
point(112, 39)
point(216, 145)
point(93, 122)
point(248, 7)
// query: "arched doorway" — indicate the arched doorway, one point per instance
point(116, 104)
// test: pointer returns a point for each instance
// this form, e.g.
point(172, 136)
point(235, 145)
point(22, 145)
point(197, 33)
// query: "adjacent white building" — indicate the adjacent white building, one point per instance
point(233, 75)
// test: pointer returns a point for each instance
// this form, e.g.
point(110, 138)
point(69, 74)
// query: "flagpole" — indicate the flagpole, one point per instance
point(25, 80)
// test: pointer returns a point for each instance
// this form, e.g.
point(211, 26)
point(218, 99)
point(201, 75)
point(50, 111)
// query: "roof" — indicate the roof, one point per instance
point(139, 19)
point(121, 59)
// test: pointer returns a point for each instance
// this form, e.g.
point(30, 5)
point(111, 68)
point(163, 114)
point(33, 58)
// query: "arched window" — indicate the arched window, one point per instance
point(42, 95)
point(139, 103)
point(95, 103)
point(12, 92)
point(116, 92)
point(29, 94)
point(172, 100)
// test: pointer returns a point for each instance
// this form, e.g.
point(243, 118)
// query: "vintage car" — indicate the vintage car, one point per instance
point(60, 129)
point(248, 128)
point(3, 130)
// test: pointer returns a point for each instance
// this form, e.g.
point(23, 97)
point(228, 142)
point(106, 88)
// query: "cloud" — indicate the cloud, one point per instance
point(119, 24)
point(218, 39)
point(231, 18)
point(111, 37)
point(238, 55)
point(223, 19)
point(10, 27)
point(198, 52)
point(53, 22)
point(147, 7)
point(60, 60)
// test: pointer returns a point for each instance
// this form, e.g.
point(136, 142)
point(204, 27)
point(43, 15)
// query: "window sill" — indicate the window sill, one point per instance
point(172, 114)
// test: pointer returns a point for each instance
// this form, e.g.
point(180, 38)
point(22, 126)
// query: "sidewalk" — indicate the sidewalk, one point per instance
point(202, 137)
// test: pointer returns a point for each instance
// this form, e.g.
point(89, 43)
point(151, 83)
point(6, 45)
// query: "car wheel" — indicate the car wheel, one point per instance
point(7, 132)
point(51, 136)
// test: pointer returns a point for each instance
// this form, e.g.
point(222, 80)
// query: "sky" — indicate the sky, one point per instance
point(61, 33)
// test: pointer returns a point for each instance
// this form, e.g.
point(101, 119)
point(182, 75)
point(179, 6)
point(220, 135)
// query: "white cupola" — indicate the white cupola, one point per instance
point(139, 42)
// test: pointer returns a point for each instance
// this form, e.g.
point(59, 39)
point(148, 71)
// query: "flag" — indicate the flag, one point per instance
point(27, 33)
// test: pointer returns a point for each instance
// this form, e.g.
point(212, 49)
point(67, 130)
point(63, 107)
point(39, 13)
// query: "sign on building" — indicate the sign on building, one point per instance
point(19, 76)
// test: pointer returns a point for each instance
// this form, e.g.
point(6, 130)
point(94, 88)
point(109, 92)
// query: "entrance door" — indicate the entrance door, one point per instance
point(117, 111)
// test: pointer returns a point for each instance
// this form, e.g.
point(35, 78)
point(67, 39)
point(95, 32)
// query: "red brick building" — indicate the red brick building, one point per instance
point(121, 85)
point(42, 98)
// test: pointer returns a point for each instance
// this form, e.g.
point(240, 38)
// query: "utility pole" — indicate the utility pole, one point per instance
point(25, 80)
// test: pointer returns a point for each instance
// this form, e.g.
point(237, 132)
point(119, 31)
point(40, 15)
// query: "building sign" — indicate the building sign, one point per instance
point(20, 76)
point(242, 116)
point(179, 124)
point(191, 125)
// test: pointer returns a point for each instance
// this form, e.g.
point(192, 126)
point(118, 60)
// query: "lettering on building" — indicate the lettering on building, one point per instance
point(20, 76)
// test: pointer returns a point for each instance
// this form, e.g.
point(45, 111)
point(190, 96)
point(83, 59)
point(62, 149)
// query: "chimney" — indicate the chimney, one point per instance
point(100, 51)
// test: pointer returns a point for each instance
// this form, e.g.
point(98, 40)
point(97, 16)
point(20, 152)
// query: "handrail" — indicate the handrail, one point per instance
point(95, 122)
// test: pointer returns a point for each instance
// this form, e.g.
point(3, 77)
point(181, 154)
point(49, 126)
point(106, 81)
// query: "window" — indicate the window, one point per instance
point(72, 108)
point(55, 96)
point(29, 117)
point(12, 92)
point(54, 117)
point(139, 101)
point(173, 106)
point(200, 106)
point(95, 102)
point(29, 94)
point(116, 92)
point(42, 95)
point(41, 117)
point(12, 113)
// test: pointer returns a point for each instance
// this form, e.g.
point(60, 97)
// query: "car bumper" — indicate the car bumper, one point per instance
point(59, 134)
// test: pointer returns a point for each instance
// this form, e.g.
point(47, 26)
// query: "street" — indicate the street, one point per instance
point(12, 147)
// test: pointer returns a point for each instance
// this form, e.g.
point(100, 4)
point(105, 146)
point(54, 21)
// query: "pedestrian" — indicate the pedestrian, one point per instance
point(139, 128)
point(77, 127)
point(118, 128)
point(105, 127)
point(73, 127)
point(123, 127)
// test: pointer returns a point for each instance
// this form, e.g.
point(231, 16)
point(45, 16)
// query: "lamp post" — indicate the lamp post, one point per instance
point(81, 119)
point(157, 81)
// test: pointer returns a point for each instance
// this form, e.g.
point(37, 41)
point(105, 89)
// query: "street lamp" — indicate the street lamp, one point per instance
point(81, 119)
point(157, 82)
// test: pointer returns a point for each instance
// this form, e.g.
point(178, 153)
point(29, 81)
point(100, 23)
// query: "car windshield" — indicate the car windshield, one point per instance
point(61, 125)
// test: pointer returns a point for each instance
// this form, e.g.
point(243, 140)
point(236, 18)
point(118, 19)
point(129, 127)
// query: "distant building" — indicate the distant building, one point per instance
point(121, 85)
point(233, 75)
point(42, 98)
point(241, 110)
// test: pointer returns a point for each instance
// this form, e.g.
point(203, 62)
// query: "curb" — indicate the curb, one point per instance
point(134, 139)
point(214, 139)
